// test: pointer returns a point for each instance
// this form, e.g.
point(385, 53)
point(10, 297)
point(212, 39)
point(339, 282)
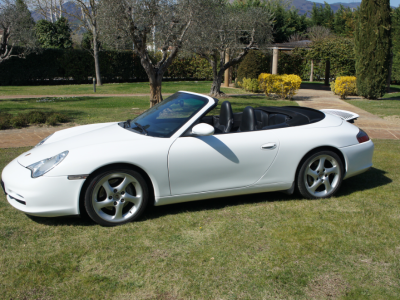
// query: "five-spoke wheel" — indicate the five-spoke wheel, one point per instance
point(320, 175)
point(116, 197)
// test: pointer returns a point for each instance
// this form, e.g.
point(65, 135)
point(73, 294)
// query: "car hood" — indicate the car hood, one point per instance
point(78, 137)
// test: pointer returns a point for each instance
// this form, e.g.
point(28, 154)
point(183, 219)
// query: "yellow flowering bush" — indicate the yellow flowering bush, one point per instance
point(285, 86)
point(250, 85)
point(344, 86)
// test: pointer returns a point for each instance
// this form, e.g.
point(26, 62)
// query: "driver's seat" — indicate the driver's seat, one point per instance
point(224, 123)
point(249, 120)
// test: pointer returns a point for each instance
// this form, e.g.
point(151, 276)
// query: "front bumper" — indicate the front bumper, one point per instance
point(44, 196)
point(358, 158)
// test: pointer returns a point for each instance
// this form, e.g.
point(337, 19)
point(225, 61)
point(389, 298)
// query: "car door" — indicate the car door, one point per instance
point(218, 162)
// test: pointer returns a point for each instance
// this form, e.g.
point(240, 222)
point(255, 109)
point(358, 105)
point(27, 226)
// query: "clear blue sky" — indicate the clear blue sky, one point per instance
point(394, 3)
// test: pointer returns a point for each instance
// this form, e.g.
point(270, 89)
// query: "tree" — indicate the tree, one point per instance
point(396, 43)
point(50, 10)
point(54, 35)
point(344, 24)
point(143, 21)
point(322, 15)
point(18, 30)
point(287, 23)
point(229, 30)
point(88, 15)
point(373, 46)
point(316, 33)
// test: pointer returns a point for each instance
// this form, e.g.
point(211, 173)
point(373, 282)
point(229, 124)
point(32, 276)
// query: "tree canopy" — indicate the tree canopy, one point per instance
point(54, 35)
point(17, 26)
point(373, 46)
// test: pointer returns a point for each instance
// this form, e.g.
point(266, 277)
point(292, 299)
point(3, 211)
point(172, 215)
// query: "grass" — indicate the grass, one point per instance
point(259, 246)
point(87, 110)
point(383, 107)
point(113, 88)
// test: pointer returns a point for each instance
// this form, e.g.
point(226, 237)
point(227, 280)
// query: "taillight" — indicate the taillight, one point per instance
point(362, 136)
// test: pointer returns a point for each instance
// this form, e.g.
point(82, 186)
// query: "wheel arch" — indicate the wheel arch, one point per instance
point(82, 210)
point(321, 148)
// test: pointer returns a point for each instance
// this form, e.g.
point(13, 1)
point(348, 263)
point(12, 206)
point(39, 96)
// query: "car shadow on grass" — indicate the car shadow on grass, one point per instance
point(369, 180)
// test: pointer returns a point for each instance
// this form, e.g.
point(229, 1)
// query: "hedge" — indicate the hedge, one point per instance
point(57, 66)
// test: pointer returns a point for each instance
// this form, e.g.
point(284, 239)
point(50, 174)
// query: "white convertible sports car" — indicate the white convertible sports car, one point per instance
point(175, 153)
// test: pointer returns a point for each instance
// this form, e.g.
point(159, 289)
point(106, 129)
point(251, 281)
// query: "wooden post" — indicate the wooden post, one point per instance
point(312, 71)
point(275, 61)
point(226, 81)
point(327, 71)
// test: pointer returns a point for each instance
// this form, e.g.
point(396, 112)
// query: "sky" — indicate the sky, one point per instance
point(394, 3)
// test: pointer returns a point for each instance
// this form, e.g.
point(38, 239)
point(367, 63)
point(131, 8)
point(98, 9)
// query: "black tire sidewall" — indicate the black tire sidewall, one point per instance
point(300, 182)
point(89, 191)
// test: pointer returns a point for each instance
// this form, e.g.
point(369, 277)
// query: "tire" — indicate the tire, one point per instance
point(116, 196)
point(320, 175)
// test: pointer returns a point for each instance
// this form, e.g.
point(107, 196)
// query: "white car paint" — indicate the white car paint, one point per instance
point(181, 168)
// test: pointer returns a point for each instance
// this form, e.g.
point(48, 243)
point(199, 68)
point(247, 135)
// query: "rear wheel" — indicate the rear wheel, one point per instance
point(320, 175)
point(116, 197)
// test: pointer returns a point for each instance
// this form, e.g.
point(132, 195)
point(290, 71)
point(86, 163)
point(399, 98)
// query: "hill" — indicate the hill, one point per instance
point(305, 6)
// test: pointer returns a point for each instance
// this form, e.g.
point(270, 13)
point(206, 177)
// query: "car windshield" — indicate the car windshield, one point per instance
point(165, 118)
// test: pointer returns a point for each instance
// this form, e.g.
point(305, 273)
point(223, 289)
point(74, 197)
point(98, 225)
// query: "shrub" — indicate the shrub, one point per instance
point(5, 121)
point(250, 85)
point(55, 118)
point(253, 64)
point(52, 120)
point(36, 117)
point(285, 86)
point(18, 121)
point(344, 86)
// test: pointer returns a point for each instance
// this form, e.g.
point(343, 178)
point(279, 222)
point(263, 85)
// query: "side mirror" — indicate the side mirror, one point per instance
point(203, 129)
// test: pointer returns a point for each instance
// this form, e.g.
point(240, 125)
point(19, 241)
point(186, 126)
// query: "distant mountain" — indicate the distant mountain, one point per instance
point(305, 6)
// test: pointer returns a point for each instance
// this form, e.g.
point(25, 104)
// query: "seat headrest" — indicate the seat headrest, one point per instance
point(226, 112)
point(249, 121)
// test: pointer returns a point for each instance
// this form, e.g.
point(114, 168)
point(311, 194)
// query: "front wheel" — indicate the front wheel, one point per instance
point(320, 175)
point(116, 197)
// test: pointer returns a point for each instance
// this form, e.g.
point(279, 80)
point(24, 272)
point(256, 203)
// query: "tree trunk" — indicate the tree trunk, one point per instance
point(216, 87)
point(155, 90)
point(312, 71)
point(389, 79)
point(327, 72)
point(96, 58)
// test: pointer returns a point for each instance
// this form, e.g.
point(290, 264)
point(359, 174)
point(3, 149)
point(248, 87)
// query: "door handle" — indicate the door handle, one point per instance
point(269, 146)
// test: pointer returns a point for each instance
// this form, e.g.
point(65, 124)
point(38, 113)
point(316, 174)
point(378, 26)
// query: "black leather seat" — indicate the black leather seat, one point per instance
point(249, 121)
point(275, 119)
point(224, 123)
point(262, 118)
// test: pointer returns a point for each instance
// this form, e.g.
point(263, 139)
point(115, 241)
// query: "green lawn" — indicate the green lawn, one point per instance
point(263, 246)
point(113, 88)
point(383, 107)
point(87, 110)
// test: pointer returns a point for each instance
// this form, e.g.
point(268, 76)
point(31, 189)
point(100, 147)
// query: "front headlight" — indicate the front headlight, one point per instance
point(42, 141)
point(42, 167)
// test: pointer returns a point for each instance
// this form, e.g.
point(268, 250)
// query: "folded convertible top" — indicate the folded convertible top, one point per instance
point(297, 115)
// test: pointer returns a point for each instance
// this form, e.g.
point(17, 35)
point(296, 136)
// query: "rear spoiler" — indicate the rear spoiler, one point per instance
point(343, 114)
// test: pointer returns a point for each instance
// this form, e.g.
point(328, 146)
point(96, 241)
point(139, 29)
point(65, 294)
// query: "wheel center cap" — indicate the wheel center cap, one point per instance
point(116, 196)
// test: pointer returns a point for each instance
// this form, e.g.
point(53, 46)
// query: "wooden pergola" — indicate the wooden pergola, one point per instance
point(290, 46)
